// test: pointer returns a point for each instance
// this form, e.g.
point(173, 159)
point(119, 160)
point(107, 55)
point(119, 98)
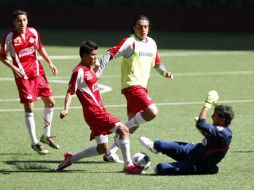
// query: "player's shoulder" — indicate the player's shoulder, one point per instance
point(127, 39)
point(151, 40)
point(77, 67)
point(32, 30)
point(9, 35)
point(224, 130)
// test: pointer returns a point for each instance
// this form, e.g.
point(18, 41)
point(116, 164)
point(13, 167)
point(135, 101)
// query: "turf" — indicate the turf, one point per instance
point(200, 62)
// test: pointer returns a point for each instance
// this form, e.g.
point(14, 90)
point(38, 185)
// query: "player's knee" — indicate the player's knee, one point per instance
point(151, 112)
point(164, 169)
point(157, 145)
point(49, 102)
point(122, 131)
point(52, 104)
point(101, 149)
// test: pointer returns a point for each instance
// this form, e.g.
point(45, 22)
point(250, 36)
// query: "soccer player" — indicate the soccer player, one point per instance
point(23, 43)
point(201, 158)
point(139, 53)
point(83, 82)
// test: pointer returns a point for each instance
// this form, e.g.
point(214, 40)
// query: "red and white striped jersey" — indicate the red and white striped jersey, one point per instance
point(23, 50)
point(83, 82)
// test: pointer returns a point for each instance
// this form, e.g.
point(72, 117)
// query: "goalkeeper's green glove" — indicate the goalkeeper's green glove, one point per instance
point(211, 99)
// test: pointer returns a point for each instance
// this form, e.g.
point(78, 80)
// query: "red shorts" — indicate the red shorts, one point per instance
point(137, 99)
point(28, 89)
point(100, 123)
point(44, 87)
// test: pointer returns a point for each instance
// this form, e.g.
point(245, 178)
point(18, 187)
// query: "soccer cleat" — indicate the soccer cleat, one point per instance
point(50, 141)
point(66, 162)
point(146, 142)
point(112, 158)
point(40, 149)
point(132, 169)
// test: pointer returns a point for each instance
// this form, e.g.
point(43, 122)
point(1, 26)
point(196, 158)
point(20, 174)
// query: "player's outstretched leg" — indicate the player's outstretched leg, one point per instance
point(149, 144)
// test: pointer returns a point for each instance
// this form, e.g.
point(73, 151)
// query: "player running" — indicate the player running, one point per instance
point(22, 44)
point(139, 53)
point(84, 83)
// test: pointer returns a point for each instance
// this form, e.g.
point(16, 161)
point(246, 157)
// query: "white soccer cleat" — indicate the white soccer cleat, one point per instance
point(146, 142)
point(112, 158)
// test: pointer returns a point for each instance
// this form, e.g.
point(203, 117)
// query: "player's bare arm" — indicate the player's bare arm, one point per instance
point(162, 70)
point(96, 67)
point(16, 71)
point(45, 56)
point(67, 104)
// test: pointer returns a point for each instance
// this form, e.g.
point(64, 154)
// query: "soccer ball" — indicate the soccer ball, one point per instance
point(142, 160)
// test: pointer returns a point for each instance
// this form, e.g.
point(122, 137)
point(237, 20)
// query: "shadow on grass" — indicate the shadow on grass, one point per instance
point(15, 154)
point(16, 162)
point(38, 166)
point(50, 170)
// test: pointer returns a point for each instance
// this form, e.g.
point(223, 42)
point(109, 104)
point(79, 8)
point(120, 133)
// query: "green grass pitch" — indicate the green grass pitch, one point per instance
point(200, 62)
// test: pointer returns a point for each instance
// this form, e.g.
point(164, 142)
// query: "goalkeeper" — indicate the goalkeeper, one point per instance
point(201, 158)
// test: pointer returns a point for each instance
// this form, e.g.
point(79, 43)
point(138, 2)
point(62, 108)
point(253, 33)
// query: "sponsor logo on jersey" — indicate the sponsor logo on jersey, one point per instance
point(31, 40)
point(145, 54)
point(17, 41)
point(26, 51)
point(88, 75)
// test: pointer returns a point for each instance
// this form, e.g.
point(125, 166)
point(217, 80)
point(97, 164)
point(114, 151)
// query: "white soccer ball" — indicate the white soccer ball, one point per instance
point(142, 160)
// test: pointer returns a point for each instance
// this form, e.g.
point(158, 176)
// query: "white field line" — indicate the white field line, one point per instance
point(169, 54)
point(158, 104)
point(103, 89)
point(60, 80)
point(222, 73)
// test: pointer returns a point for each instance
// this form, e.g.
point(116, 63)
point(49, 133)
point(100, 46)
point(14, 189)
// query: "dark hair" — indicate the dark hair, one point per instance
point(16, 13)
point(87, 47)
point(225, 112)
point(136, 19)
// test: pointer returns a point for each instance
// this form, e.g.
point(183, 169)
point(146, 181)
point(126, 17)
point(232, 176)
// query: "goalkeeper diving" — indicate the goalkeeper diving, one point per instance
point(200, 158)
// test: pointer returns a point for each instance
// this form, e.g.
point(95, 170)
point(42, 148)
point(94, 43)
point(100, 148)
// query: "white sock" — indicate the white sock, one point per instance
point(135, 121)
point(112, 150)
point(30, 123)
point(124, 145)
point(47, 117)
point(89, 152)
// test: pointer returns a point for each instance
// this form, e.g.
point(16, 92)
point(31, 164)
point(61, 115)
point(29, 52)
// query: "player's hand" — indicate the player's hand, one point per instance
point(53, 69)
point(97, 63)
point(63, 114)
point(168, 75)
point(212, 99)
point(18, 73)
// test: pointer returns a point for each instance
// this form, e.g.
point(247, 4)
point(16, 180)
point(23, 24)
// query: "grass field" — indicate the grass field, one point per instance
point(224, 62)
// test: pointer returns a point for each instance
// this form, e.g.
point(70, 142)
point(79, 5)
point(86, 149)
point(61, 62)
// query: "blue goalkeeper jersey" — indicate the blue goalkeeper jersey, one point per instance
point(213, 147)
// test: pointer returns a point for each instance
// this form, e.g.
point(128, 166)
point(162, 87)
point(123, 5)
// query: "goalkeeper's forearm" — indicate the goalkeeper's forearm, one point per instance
point(161, 68)
point(105, 59)
point(203, 113)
